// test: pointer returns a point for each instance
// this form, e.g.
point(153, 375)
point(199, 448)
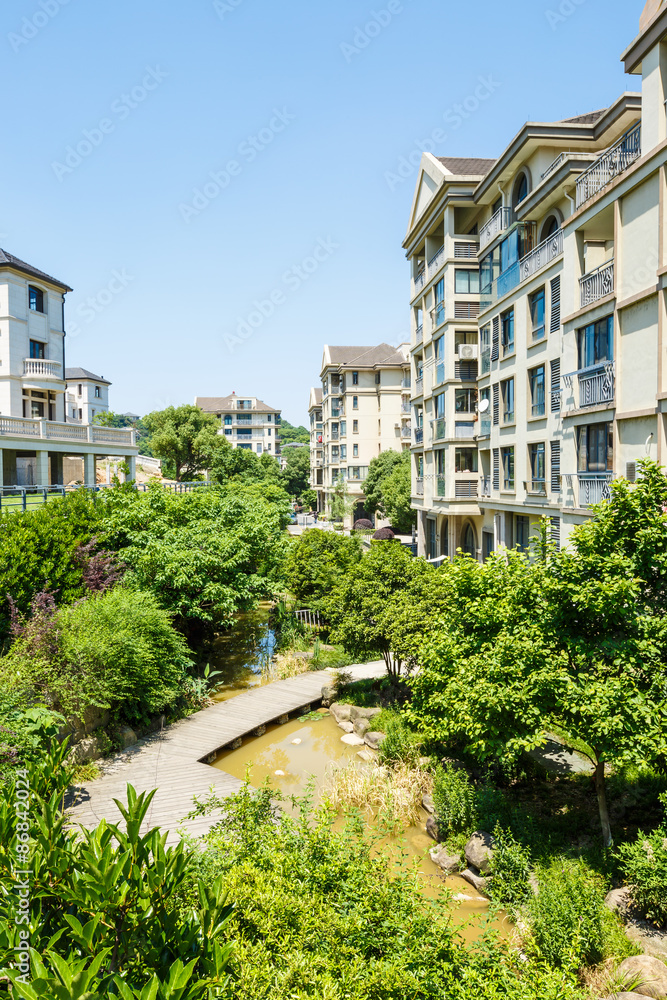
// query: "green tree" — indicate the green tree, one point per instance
point(185, 437)
point(397, 496)
point(296, 474)
point(290, 434)
point(309, 498)
point(341, 503)
point(318, 560)
point(378, 471)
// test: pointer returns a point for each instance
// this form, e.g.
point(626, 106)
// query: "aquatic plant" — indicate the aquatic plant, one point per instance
point(392, 794)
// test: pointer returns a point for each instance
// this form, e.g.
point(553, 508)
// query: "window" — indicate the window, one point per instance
point(269, 432)
point(80, 414)
point(508, 468)
point(555, 305)
point(259, 449)
point(507, 390)
point(487, 544)
point(80, 390)
point(537, 391)
point(228, 421)
point(469, 541)
point(507, 337)
point(228, 431)
point(355, 426)
point(466, 460)
point(550, 227)
point(520, 190)
point(355, 402)
point(343, 428)
point(37, 350)
point(343, 451)
point(485, 348)
point(36, 297)
point(522, 530)
point(98, 394)
point(335, 453)
point(537, 454)
point(439, 291)
point(431, 539)
point(467, 282)
point(439, 350)
point(378, 378)
point(537, 314)
point(596, 448)
point(596, 343)
point(244, 404)
point(465, 400)
point(355, 378)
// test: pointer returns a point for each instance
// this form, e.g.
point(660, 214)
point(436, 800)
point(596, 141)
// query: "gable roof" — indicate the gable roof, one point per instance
point(588, 119)
point(466, 166)
point(219, 404)
point(81, 374)
point(382, 356)
point(9, 260)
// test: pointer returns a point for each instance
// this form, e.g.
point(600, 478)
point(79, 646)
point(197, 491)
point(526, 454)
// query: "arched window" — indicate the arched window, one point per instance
point(550, 227)
point(469, 541)
point(521, 189)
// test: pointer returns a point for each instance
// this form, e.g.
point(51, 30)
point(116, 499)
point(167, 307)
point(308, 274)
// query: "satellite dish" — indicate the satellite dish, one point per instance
point(484, 406)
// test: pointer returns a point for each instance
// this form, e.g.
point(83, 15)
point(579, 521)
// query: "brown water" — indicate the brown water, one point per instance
point(301, 751)
point(241, 652)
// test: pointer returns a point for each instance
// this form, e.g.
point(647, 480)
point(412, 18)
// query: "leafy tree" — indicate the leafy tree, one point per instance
point(184, 436)
point(243, 465)
point(397, 496)
point(342, 504)
point(318, 560)
point(296, 474)
point(378, 471)
point(290, 434)
point(309, 499)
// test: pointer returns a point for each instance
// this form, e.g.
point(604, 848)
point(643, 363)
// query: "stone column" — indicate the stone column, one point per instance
point(42, 472)
point(57, 476)
point(132, 474)
point(2, 467)
point(89, 475)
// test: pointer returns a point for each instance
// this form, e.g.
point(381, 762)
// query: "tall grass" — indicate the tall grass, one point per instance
point(393, 795)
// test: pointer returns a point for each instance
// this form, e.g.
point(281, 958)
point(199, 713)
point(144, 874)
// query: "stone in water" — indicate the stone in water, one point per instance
point(352, 740)
point(296, 742)
point(279, 774)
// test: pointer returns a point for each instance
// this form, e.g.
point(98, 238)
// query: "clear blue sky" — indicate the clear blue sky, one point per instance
point(330, 123)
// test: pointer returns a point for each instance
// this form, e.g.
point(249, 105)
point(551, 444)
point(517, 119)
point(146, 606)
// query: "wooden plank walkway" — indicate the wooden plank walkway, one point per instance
point(174, 761)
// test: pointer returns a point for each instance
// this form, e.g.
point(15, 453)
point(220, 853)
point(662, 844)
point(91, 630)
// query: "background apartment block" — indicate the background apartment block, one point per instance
point(569, 279)
point(365, 409)
point(245, 421)
point(36, 432)
point(87, 395)
point(316, 446)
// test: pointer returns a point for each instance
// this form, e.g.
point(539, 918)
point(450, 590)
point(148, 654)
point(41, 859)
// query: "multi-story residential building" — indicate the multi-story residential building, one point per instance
point(559, 244)
point(316, 446)
point(365, 409)
point(87, 395)
point(246, 422)
point(36, 431)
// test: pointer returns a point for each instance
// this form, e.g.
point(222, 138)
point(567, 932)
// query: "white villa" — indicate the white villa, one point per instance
point(87, 395)
point(36, 431)
point(245, 421)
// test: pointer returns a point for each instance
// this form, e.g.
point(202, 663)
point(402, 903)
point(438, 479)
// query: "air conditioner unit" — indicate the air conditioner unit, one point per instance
point(468, 352)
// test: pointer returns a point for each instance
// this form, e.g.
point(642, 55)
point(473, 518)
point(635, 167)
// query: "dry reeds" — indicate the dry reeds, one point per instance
point(284, 667)
point(393, 794)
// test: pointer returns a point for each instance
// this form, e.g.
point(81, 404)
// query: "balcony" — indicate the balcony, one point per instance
point(485, 486)
point(406, 432)
point(596, 284)
point(439, 373)
point(485, 427)
point(419, 334)
point(439, 487)
point(406, 407)
point(51, 430)
point(39, 368)
point(465, 431)
point(438, 428)
point(596, 384)
point(486, 362)
point(437, 315)
point(535, 487)
point(436, 262)
point(334, 436)
point(419, 436)
point(419, 487)
point(553, 165)
point(337, 411)
point(466, 489)
point(496, 225)
point(407, 382)
point(609, 165)
point(542, 255)
point(419, 386)
point(594, 487)
point(420, 281)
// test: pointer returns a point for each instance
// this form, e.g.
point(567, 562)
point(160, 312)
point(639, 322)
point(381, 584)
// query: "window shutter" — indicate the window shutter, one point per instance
point(555, 467)
point(555, 386)
point(555, 532)
point(496, 468)
point(496, 405)
point(631, 472)
point(555, 304)
point(495, 349)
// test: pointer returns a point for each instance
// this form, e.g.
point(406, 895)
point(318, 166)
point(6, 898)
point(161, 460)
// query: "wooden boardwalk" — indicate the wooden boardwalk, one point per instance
point(174, 761)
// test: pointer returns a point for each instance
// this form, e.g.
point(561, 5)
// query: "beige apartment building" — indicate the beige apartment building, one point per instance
point(246, 422)
point(538, 318)
point(364, 409)
point(316, 446)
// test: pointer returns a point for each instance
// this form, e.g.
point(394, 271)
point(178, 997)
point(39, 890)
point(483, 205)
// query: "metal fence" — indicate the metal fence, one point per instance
point(25, 497)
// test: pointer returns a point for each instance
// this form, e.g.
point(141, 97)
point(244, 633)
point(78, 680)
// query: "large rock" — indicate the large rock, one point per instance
point(653, 973)
point(127, 737)
point(352, 740)
point(479, 851)
point(361, 726)
point(347, 727)
point(449, 863)
point(329, 695)
point(475, 880)
point(432, 829)
point(428, 804)
point(363, 713)
point(626, 996)
point(86, 750)
point(375, 740)
point(644, 934)
point(341, 713)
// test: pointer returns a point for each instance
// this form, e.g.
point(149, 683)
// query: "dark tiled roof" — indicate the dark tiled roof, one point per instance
point(588, 119)
point(466, 166)
point(72, 374)
point(318, 396)
point(220, 404)
point(366, 357)
point(9, 260)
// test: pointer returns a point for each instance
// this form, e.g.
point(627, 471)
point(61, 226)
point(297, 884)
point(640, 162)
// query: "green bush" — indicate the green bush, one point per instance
point(510, 870)
point(644, 867)
point(570, 923)
point(116, 650)
point(401, 745)
point(317, 560)
point(454, 798)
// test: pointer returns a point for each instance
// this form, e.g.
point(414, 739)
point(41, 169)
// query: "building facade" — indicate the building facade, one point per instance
point(246, 422)
point(37, 433)
point(87, 395)
point(364, 409)
point(559, 244)
point(316, 446)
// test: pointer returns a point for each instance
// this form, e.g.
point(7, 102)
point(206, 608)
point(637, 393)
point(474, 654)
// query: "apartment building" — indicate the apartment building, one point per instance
point(365, 409)
point(316, 446)
point(87, 395)
point(246, 422)
point(37, 434)
point(558, 244)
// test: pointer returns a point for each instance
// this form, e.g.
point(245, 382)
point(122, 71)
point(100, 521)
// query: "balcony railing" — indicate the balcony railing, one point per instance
point(596, 384)
point(496, 225)
point(465, 431)
point(419, 435)
point(419, 336)
point(486, 362)
point(406, 407)
point(420, 280)
point(553, 165)
point(439, 487)
point(407, 382)
point(536, 487)
point(594, 487)
point(485, 427)
point(419, 487)
point(438, 315)
point(438, 428)
point(439, 372)
point(435, 261)
point(466, 489)
point(52, 430)
point(610, 165)
point(39, 368)
point(542, 255)
point(419, 385)
point(485, 486)
point(597, 283)
point(406, 432)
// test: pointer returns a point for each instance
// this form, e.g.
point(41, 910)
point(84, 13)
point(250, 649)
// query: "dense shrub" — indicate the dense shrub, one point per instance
point(383, 535)
point(401, 745)
point(318, 560)
point(644, 867)
point(114, 650)
point(510, 870)
point(363, 524)
point(454, 798)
